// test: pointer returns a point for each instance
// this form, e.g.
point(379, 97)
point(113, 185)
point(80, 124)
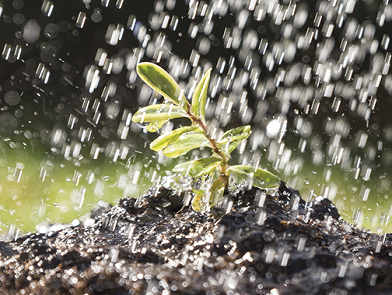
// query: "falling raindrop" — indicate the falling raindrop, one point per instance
point(31, 31)
point(47, 7)
point(81, 19)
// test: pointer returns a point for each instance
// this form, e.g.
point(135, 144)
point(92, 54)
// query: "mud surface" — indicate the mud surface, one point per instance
point(266, 244)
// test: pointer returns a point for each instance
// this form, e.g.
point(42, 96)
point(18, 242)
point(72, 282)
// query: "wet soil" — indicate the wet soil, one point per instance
point(255, 244)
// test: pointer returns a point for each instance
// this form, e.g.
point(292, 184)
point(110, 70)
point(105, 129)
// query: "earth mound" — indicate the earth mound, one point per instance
point(256, 244)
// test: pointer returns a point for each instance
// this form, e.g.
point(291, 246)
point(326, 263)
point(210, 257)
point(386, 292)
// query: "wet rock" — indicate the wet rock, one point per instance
point(261, 244)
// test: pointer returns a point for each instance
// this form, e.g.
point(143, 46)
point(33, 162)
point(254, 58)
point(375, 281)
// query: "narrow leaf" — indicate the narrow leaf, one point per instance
point(160, 80)
point(184, 144)
point(155, 126)
point(199, 202)
point(238, 133)
point(216, 191)
point(232, 138)
point(199, 97)
point(183, 168)
point(261, 178)
point(170, 137)
point(204, 166)
point(158, 112)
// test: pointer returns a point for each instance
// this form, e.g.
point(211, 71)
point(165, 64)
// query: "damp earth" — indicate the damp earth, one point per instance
point(253, 244)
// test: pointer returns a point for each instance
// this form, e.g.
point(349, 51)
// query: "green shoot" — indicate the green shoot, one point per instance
point(184, 139)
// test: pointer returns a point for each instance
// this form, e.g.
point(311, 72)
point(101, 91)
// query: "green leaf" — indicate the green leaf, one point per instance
point(216, 191)
point(204, 201)
point(261, 178)
point(199, 97)
point(183, 167)
point(170, 137)
point(234, 137)
point(199, 202)
point(158, 112)
point(204, 166)
point(160, 80)
point(184, 144)
point(155, 126)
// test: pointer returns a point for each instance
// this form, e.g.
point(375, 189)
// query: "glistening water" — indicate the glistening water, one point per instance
point(311, 77)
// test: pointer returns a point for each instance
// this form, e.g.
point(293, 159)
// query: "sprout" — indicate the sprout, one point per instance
point(181, 140)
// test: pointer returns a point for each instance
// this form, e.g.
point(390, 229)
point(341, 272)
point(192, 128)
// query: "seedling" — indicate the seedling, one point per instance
point(181, 140)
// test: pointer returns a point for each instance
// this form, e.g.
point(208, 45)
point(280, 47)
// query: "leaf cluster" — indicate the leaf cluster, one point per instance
point(184, 139)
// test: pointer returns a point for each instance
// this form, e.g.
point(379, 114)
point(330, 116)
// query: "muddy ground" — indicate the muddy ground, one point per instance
point(262, 244)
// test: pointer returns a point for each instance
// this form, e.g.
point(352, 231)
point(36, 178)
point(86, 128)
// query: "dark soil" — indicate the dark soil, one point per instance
point(154, 245)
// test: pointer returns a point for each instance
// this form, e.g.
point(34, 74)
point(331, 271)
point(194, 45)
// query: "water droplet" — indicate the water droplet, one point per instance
point(12, 98)
point(96, 17)
point(105, 3)
point(47, 7)
point(81, 19)
point(8, 123)
point(119, 4)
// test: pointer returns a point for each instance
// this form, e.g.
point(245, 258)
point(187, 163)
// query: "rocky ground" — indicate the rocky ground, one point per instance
point(262, 244)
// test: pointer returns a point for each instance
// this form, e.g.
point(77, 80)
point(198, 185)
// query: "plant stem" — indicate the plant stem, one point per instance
point(214, 145)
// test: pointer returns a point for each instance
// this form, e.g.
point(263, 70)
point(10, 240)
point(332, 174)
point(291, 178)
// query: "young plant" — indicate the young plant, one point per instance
point(181, 140)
